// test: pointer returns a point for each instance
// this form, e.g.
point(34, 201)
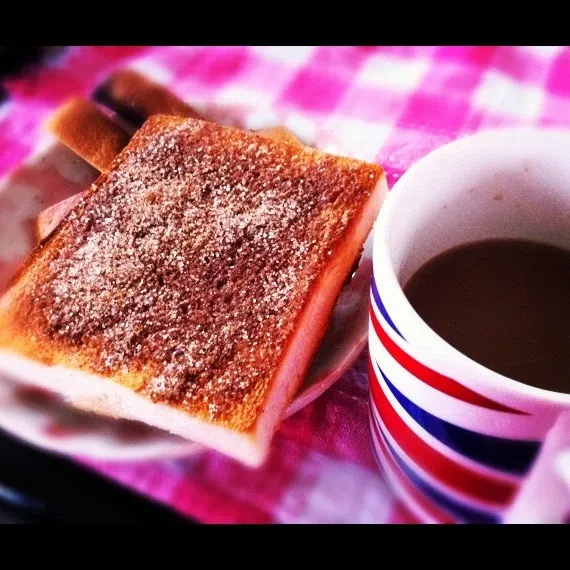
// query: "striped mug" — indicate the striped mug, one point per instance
point(457, 441)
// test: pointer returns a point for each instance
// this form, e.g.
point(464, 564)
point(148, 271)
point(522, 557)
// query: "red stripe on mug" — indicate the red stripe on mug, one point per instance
point(442, 468)
point(425, 504)
point(431, 377)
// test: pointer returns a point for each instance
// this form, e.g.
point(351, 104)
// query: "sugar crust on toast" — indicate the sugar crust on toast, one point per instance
point(184, 274)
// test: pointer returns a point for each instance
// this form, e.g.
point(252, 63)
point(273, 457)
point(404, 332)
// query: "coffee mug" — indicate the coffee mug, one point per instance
point(457, 441)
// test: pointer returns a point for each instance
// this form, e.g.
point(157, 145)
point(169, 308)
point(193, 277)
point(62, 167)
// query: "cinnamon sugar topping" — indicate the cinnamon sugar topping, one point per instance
point(188, 263)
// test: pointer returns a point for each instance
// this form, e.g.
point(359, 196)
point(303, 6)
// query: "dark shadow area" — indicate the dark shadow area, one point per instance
point(39, 488)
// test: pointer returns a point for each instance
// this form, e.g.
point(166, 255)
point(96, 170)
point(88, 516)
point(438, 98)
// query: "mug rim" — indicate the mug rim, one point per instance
point(382, 263)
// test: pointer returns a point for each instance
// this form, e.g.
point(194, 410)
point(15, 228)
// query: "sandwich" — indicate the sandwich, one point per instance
point(190, 286)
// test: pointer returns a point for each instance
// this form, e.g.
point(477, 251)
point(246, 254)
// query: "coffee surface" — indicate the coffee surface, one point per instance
point(503, 303)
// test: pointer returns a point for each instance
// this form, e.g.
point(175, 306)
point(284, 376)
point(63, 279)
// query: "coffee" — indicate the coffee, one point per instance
point(503, 303)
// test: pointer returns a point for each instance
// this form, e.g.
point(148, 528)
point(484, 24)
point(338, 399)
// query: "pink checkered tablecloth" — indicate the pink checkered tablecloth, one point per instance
point(386, 104)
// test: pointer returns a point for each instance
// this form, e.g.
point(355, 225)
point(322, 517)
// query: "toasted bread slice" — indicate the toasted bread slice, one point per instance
point(190, 287)
point(135, 98)
point(81, 126)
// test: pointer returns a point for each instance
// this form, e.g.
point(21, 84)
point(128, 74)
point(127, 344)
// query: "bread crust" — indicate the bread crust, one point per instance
point(135, 98)
point(81, 126)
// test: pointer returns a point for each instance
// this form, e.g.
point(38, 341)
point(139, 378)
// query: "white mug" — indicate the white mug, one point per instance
point(458, 441)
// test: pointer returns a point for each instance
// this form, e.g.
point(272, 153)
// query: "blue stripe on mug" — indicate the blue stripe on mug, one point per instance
point(382, 308)
point(462, 512)
point(509, 455)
